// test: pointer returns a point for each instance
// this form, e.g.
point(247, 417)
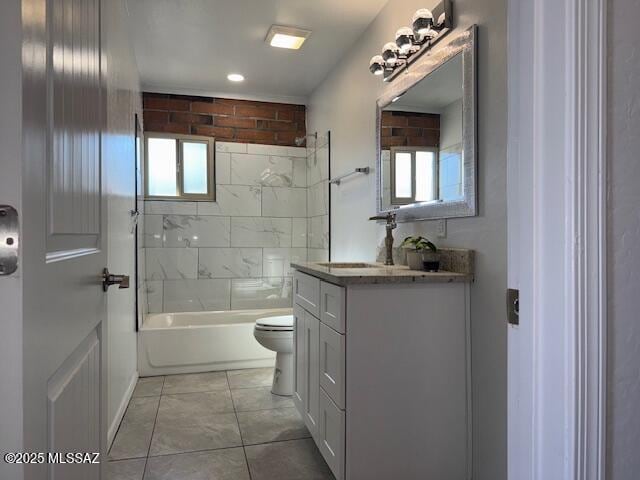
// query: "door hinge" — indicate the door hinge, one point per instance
point(513, 306)
point(9, 236)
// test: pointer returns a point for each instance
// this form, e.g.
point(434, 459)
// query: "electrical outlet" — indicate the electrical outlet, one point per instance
point(441, 229)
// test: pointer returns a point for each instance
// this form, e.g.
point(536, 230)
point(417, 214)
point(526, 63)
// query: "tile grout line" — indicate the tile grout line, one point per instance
point(204, 450)
point(235, 411)
point(153, 430)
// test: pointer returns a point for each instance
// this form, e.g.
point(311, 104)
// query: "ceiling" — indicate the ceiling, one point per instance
point(189, 46)
point(440, 88)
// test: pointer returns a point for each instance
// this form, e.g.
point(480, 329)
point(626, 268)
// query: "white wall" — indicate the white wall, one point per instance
point(345, 104)
point(623, 145)
point(10, 194)
point(123, 101)
point(451, 125)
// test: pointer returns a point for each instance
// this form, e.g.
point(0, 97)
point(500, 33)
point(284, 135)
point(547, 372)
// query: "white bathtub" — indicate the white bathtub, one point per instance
point(172, 343)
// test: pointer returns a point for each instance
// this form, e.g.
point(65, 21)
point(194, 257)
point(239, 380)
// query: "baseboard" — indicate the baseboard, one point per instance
point(146, 370)
point(113, 428)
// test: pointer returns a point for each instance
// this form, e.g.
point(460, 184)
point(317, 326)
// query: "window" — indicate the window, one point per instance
point(179, 167)
point(414, 174)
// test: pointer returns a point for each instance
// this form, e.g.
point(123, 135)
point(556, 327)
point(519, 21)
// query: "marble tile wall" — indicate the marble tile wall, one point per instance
point(318, 199)
point(234, 253)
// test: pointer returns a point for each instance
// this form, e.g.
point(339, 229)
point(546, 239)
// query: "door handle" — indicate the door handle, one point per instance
point(109, 279)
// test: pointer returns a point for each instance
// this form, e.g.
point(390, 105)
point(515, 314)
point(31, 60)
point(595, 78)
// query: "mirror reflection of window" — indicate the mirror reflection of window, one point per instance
point(414, 173)
point(403, 173)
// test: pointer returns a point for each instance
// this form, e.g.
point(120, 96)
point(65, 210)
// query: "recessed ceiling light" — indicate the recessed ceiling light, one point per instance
point(235, 77)
point(286, 37)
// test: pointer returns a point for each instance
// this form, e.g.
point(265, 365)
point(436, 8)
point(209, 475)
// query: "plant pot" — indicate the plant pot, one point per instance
point(431, 261)
point(414, 259)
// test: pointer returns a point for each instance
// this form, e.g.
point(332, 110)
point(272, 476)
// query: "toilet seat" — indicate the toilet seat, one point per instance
point(283, 323)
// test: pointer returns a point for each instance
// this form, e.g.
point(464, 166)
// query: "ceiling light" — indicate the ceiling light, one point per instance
point(286, 37)
point(235, 77)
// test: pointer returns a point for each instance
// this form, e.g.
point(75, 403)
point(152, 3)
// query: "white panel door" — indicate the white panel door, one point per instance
point(63, 234)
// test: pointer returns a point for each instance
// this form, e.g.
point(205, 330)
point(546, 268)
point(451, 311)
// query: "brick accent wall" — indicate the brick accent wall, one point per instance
point(410, 129)
point(227, 120)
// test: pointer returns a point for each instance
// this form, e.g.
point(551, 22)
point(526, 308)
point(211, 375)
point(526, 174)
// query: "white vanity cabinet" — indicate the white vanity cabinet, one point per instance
point(382, 377)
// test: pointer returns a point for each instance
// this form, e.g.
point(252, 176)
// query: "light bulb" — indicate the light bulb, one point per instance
point(376, 65)
point(422, 21)
point(404, 39)
point(390, 53)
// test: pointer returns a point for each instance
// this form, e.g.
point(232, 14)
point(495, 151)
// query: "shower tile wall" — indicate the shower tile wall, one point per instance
point(318, 199)
point(234, 253)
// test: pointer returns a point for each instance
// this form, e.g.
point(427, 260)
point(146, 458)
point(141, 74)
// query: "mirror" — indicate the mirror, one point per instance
point(427, 136)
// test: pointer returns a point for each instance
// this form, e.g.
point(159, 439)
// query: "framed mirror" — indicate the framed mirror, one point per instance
point(426, 132)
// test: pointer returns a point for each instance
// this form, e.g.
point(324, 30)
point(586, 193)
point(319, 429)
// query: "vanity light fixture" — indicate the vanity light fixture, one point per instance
point(411, 42)
point(235, 77)
point(291, 38)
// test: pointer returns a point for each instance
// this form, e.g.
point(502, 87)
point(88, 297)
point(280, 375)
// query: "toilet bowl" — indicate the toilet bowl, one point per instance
point(276, 334)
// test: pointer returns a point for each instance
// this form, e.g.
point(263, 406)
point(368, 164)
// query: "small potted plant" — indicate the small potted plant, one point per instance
point(422, 254)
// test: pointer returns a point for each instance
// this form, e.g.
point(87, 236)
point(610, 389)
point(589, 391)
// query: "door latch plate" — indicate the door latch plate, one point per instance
point(9, 236)
point(513, 306)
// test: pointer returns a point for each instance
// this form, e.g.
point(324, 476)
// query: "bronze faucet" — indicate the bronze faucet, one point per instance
point(388, 241)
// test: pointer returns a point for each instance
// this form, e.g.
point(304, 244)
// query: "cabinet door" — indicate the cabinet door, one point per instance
point(332, 306)
point(332, 435)
point(312, 391)
point(332, 346)
point(299, 358)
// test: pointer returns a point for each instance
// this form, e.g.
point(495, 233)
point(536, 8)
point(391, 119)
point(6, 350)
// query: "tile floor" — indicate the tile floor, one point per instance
point(213, 426)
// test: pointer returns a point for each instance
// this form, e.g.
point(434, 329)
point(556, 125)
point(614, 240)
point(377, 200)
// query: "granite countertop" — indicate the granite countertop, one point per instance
point(366, 272)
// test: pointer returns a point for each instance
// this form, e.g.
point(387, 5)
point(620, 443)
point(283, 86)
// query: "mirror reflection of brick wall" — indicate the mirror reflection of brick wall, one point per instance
point(410, 129)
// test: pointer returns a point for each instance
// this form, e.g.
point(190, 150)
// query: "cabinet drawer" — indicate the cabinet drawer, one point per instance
point(332, 306)
point(306, 292)
point(332, 435)
point(332, 360)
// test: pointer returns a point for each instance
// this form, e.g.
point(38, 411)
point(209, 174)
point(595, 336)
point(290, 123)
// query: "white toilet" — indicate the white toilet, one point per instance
point(276, 334)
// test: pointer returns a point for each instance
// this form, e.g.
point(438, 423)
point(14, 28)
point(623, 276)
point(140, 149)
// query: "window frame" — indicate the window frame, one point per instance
point(392, 168)
point(180, 139)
